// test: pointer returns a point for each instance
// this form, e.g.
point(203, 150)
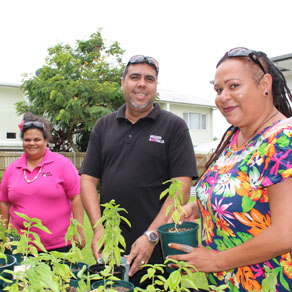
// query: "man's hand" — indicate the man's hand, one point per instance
point(140, 254)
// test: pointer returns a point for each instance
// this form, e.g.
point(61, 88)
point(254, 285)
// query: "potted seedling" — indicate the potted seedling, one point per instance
point(26, 244)
point(184, 278)
point(181, 279)
point(7, 234)
point(40, 271)
point(7, 261)
point(155, 273)
point(112, 244)
point(73, 236)
point(83, 281)
point(29, 240)
point(185, 233)
point(35, 274)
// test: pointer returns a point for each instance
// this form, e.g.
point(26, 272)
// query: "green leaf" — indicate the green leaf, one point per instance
point(163, 194)
point(168, 209)
point(43, 228)
point(174, 280)
point(247, 204)
point(176, 216)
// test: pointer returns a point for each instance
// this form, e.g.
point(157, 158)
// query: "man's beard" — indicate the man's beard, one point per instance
point(149, 102)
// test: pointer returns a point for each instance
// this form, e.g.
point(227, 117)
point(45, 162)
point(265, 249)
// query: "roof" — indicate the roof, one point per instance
point(178, 97)
point(284, 63)
point(6, 84)
point(282, 58)
point(206, 148)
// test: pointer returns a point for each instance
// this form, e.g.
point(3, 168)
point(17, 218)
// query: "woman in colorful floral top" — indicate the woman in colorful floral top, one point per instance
point(244, 197)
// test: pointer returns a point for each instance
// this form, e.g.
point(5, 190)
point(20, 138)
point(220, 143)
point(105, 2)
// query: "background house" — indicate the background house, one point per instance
point(197, 112)
point(284, 63)
point(9, 132)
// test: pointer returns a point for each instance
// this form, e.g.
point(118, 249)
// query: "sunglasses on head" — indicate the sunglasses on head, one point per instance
point(244, 52)
point(138, 59)
point(30, 124)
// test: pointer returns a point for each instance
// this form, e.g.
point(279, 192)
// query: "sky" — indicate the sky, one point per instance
point(186, 37)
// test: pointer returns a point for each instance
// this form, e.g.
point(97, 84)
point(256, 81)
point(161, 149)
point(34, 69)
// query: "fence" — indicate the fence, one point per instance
point(7, 157)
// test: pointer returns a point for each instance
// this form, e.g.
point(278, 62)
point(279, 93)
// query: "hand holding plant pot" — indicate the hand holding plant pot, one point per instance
point(186, 232)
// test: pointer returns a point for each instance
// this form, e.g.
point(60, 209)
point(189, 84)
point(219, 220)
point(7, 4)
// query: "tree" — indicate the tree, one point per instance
point(75, 88)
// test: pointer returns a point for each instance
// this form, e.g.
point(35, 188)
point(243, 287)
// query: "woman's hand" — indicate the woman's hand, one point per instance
point(204, 259)
point(80, 240)
point(191, 213)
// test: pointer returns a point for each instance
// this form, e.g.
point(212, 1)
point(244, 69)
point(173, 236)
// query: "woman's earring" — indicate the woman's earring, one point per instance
point(266, 93)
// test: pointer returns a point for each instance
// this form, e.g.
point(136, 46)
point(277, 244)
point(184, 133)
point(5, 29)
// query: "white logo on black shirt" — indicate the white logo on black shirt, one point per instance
point(157, 139)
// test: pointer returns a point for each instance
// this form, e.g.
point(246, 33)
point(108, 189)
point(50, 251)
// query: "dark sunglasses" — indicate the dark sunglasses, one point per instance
point(30, 124)
point(244, 52)
point(138, 59)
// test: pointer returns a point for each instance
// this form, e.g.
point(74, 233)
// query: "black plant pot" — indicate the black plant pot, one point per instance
point(18, 256)
point(6, 265)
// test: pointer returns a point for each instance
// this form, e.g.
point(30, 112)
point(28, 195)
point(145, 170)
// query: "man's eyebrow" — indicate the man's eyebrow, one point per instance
point(135, 74)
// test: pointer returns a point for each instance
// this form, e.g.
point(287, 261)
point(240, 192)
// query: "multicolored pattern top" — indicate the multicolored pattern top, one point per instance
point(234, 203)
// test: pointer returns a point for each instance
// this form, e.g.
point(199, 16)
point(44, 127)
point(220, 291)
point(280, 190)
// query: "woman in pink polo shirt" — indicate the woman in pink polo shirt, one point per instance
point(42, 184)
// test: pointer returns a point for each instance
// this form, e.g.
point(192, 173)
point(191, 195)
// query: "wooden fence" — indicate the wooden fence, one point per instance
point(7, 157)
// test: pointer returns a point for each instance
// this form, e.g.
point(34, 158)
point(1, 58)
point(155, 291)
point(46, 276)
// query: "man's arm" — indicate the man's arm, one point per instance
point(142, 249)
point(89, 197)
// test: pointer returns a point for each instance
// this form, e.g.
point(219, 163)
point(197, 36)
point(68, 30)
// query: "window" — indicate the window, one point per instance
point(10, 135)
point(196, 121)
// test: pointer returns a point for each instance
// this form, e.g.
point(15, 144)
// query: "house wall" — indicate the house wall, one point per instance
point(289, 81)
point(9, 120)
point(198, 136)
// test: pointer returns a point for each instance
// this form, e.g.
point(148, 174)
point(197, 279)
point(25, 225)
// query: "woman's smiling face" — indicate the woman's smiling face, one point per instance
point(239, 98)
point(34, 144)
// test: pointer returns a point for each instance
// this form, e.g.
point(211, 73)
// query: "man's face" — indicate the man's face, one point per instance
point(139, 87)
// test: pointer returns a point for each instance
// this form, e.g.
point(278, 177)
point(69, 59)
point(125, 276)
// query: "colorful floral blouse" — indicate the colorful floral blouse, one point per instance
point(234, 203)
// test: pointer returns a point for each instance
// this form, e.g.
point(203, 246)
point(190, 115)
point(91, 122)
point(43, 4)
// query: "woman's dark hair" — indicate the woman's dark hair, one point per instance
point(31, 121)
point(281, 95)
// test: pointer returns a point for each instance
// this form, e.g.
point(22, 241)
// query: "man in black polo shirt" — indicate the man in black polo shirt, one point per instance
point(131, 152)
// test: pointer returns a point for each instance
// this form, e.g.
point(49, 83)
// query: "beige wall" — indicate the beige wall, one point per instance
point(198, 136)
point(289, 81)
point(8, 119)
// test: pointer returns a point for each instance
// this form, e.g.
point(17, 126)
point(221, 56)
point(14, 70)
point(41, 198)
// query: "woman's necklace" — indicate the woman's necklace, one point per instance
point(254, 133)
point(31, 180)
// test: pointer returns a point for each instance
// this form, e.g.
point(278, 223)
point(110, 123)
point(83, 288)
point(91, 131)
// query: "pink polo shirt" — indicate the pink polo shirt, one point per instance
point(46, 198)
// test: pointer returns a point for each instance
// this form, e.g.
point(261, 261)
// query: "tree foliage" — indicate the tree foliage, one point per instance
point(74, 88)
